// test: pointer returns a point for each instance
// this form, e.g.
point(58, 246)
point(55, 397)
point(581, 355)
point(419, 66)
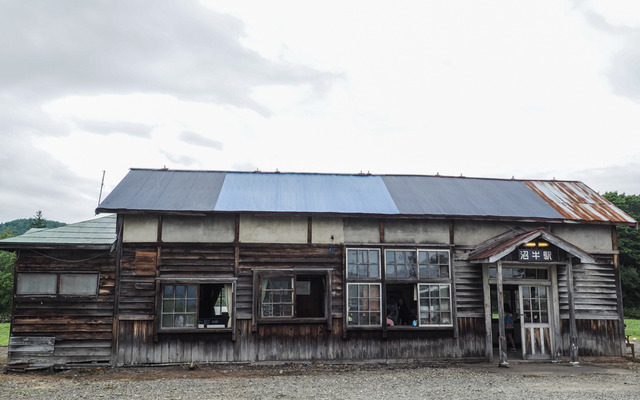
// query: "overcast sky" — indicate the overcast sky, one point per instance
point(530, 89)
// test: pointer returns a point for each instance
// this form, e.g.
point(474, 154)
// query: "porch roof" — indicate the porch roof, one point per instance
point(496, 249)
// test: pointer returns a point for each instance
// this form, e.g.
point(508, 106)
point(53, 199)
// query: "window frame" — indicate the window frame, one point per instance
point(294, 273)
point(57, 293)
point(368, 249)
point(450, 298)
point(380, 305)
point(412, 283)
point(161, 282)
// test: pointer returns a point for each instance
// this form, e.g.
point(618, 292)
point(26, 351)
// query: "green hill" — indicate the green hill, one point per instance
point(20, 226)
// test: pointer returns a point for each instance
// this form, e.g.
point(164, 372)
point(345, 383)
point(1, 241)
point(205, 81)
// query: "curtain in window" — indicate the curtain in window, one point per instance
point(228, 294)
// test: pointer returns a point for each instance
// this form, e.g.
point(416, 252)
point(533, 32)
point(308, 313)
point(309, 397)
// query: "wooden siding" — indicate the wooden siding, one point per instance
point(81, 326)
point(295, 342)
point(140, 343)
point(595, 337)
point(595, 291)
point(469, 292)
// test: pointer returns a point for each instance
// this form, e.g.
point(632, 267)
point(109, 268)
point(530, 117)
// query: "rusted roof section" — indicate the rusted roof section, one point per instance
point(499, 247)
point(576, 201)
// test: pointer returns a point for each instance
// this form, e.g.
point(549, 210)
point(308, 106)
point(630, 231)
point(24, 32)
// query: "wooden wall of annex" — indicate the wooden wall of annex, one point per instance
point(82, 326)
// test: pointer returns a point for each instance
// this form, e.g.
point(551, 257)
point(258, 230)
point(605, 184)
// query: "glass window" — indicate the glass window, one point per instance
point(37, 283)
point(179, 306)
point(401, 264)
point(363, 302)
point(277, 297)
point(79, 284)
point(196, 306)
point(434, 304)
point(433, 264)
point(295, 295)
point(363, 263)
point(58, 284)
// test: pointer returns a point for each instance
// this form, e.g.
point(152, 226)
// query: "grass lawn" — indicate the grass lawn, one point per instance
point(633, 327)
point(4, 334)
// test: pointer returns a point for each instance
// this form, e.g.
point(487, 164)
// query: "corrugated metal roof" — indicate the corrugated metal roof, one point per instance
point(433, 195)
point(576, 201)
point(213, 191)
point(306, 193)
point(166, 190)
point(98, 233)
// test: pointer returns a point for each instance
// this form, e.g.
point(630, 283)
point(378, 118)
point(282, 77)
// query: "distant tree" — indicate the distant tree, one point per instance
point(37, 221)
point(629, 246)
point(6, 278)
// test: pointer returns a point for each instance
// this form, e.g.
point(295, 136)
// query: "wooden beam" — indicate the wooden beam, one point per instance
point(487, 312)
point(502, 343)
point(573, 331)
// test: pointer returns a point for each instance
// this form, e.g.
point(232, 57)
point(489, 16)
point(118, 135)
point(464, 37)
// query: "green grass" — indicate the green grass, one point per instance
point(633, 327)
point(4, 334)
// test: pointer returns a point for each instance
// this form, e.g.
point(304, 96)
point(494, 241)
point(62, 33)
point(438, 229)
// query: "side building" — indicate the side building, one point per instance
point(258, 267)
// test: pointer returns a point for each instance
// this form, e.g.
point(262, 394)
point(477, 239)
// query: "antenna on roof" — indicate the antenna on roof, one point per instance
point(101, 186)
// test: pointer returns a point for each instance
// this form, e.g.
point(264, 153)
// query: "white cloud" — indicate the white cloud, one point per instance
point(497, 88)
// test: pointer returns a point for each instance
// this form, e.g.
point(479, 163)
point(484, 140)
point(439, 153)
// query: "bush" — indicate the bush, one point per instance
point(632, 312)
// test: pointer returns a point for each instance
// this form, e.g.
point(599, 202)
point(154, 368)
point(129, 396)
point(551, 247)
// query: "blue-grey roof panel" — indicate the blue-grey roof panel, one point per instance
point(306, 193)
point(433, 195)
point(164, 190)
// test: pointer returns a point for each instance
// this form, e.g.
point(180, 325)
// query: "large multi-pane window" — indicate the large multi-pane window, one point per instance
point(416, 290)
point(193, 306)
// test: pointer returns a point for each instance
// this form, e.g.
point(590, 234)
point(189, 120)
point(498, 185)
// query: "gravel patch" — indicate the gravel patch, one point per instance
point(292, 381)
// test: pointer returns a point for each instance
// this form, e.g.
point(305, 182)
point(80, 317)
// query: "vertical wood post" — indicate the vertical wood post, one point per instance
point(573, 330)
point(487, 312)
point(616, 270)
point(502, 342)
point(116, 296)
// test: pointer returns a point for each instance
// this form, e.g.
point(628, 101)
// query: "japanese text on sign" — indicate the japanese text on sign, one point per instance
point(535, 255)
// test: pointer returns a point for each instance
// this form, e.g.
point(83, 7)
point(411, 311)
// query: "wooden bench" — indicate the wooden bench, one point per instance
point(632, 345)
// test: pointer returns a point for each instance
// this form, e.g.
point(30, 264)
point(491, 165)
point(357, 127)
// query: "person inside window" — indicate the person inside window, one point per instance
point(389, 319)
point(404, 315)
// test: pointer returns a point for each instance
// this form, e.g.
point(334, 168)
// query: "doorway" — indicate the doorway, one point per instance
point(536, 323)
point(511, 297)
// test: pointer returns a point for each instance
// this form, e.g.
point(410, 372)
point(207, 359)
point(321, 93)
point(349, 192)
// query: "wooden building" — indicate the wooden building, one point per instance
point(213, 267)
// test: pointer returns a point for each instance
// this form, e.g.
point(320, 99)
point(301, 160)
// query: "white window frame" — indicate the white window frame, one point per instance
point(350, 312)
point(418, 251)
point(368, 277)
point(421, 310)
